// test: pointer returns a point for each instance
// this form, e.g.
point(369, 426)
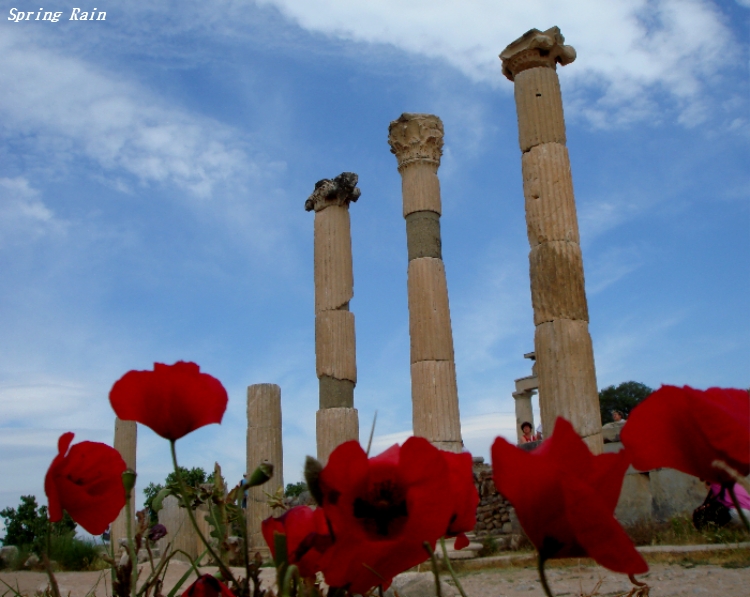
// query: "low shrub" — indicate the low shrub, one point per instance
point(679, 530)
point(75, 554)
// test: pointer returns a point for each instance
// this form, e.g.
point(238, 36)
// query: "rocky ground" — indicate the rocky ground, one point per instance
point(671, 574)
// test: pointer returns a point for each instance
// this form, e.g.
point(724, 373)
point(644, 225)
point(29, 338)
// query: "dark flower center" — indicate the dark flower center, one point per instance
point(383, 509)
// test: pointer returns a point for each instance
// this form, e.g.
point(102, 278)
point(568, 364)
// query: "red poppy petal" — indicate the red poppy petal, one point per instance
point(597, 532)
point(85, 480)
point(461, 541)
point(173, 400)
point(532, 484)
point(687, 430)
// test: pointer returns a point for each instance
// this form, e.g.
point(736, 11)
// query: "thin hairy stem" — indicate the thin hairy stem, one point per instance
point(450, 568)
point(225, 571)
point(435, 570)
point(543, 578)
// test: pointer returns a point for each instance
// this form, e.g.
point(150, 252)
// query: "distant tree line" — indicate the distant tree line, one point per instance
point(624, 398)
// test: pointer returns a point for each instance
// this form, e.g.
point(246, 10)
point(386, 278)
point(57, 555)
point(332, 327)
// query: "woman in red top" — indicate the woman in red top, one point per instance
point(528, 433)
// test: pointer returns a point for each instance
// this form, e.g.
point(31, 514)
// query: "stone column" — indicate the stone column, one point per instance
point(335, 356)
point(565, 357)
point(263, 443)
point(126, 433)
point(417, 141)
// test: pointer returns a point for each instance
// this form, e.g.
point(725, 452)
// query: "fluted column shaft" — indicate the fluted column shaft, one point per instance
point(417, 140)
point(335, 344)
point(126, 438)
point(263, 443)
point(564, 352)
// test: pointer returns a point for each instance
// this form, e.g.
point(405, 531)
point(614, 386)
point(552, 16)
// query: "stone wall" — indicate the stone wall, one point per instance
point(495, 515)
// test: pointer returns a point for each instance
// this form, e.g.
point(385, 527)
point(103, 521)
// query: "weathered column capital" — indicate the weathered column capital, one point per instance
point(536, 48)
point(416, 138)
point(339, 191)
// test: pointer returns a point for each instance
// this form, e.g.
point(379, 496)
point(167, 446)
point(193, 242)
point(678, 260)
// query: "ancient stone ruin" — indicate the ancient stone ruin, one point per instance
point(563, 370)
point(335, 352)
point(564, 353)
point(417, 141)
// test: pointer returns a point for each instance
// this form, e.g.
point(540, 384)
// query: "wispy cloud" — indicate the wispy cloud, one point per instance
point(23, 216)
point(627, 51)
point(72, 108)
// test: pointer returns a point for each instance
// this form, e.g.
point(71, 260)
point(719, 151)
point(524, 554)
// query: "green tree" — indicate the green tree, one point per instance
point(624, 398)
point(294, 489)
point(27, 525)
point(192, 478)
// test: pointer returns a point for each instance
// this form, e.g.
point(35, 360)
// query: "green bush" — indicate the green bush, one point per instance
point(75, 554)
point(27, 525)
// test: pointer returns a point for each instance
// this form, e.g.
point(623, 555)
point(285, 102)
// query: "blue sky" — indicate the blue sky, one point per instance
point(154, 169)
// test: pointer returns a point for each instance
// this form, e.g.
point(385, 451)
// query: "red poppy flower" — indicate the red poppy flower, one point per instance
point(565, 498)
point(464, 494)
point(382, 510)
point(307, 537)
point(173, 400)
point(87, 482)
point(207, 586)
point(687, 429)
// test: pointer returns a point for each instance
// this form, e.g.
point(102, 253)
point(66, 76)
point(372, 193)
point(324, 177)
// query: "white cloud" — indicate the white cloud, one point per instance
point(609, 266)
point(73, 108)
point(626, 48)
point(23, 214)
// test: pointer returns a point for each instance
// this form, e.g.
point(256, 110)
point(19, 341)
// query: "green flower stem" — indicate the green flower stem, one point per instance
point(736, 503)
point(47, 565)
point(131, 546)
point(292, 575)
point(543, 578)
point(450, 568)
point(435, 571)
point(225, 572)
point(245, 552)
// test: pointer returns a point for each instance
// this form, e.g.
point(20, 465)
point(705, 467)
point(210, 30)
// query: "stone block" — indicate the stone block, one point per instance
point(429, 313)
point(548, 190)
point(334, 279)
point(420, 188)
point(335, 350)
point(435, 403)
point(423, 235)
point(539, 107)
point(635, 502)
point(180, 532)
point(418, 584)
point(567, 377)
point(335, 393)
point(557, 285)
point(335, 426)
point(674, 493)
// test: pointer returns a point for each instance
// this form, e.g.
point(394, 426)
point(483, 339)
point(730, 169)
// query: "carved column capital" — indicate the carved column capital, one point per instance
point(416, 138)
point(339, 191)
point(536, 48)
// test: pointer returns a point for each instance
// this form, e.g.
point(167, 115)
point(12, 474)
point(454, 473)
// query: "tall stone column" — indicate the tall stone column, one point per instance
point(263, 443)
point(126, 434)
point(564, 353)
point(337, 420)
point(417, 141)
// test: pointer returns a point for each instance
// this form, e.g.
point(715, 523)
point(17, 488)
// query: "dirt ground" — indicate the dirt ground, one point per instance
point(677, 576)
point(663, 580)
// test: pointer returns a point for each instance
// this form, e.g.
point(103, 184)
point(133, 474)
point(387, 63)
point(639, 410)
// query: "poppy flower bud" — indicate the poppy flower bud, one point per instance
point(156, 532)
point(128, 480)
point(261, 474)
